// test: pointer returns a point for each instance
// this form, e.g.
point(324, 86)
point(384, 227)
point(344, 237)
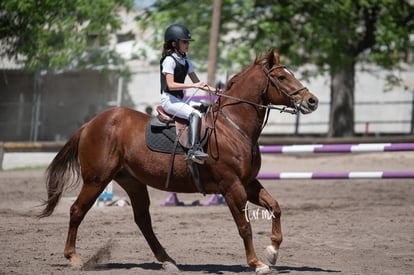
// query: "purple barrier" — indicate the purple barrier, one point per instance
point(338, 148)
point(336, 175)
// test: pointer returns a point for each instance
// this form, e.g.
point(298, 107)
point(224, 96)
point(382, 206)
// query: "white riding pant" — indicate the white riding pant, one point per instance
point(179, 107)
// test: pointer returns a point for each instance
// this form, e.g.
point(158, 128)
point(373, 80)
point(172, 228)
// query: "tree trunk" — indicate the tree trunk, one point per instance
point(341, 115)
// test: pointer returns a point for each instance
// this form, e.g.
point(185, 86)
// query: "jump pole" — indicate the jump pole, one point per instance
point(335, 175)
point(337, 148)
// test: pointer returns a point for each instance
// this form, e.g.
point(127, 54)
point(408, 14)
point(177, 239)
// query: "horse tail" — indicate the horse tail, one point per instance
point(62, 173)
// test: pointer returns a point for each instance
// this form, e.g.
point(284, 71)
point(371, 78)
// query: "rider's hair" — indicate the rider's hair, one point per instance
point(168, 48)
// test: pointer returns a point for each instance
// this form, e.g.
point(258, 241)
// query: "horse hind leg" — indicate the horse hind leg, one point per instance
point(140, 201)
point(257, 194)
point(86, 198)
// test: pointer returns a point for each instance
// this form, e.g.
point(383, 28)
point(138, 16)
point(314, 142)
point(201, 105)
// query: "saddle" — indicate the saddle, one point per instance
point(162, 132)
point(168, 134)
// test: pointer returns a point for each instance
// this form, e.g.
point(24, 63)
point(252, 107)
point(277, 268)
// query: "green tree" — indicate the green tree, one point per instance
point(333, 35)
point(50, 34)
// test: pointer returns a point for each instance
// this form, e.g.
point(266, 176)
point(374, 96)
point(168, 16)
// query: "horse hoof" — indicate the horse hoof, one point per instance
point(265, 270)
point(76, 264)
point(170, 267)
point(271, 254)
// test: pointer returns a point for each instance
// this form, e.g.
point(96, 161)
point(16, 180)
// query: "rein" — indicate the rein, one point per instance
point(243, 133)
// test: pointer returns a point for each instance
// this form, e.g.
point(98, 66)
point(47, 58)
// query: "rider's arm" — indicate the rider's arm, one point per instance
point(176, 86)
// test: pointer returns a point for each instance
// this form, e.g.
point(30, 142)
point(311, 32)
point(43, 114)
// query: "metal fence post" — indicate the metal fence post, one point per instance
point(1, 155)
point(412, 114)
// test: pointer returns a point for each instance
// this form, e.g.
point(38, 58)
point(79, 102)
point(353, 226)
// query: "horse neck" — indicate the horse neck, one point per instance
point(244, 111)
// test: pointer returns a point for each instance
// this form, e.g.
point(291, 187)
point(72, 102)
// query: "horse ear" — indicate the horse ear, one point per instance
point(273, 58)
point(276, 57)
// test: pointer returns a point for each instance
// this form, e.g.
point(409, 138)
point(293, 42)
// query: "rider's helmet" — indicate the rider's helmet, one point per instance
point(177, 32)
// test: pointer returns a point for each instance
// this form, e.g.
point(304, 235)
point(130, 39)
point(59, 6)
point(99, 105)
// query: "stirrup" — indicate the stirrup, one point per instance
point(195, 159)
point(197, 156)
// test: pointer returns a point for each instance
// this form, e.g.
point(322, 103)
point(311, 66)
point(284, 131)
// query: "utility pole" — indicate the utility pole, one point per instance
point(212, 51)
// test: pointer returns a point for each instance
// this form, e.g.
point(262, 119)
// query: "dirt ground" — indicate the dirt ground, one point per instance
point(329, 226)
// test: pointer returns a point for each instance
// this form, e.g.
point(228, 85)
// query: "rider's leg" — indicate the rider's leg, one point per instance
point(195, 151)
point(176, 107)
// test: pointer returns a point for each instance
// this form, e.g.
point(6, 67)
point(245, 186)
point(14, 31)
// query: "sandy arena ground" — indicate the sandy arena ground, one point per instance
point(330, 226)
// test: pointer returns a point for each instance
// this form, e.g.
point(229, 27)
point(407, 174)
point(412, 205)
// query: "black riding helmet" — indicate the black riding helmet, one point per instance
point(177, 32)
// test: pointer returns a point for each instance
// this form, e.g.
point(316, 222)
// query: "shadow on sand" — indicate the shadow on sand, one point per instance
point(212, 268)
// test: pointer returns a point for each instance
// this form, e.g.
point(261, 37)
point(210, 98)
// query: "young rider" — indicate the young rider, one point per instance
point(175, 66)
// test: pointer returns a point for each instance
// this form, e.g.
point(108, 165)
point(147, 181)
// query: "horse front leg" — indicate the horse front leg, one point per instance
point(236, 199)
point(257, 194)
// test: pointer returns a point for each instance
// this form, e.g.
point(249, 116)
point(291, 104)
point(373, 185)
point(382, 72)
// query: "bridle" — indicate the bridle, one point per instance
point(269, 106)
point(280, 89)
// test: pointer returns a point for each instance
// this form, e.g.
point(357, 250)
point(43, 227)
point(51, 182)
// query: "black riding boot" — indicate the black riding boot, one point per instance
point(195, 153)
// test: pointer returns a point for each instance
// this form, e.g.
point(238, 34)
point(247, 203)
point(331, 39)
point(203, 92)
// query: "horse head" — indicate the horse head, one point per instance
point(283, 88)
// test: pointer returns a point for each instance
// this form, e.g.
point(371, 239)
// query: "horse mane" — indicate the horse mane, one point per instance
point(260, 58)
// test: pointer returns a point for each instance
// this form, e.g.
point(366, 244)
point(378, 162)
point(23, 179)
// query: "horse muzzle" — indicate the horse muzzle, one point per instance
point(308, 104)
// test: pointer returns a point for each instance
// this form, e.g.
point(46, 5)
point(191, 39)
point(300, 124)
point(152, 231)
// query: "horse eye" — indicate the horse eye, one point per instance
point(281, 77)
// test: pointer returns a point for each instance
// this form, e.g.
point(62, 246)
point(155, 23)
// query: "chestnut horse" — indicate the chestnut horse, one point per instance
point(112, 146)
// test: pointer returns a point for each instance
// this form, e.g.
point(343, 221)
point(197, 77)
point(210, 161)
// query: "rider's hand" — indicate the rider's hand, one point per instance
point(200, 85)
point(203, 86)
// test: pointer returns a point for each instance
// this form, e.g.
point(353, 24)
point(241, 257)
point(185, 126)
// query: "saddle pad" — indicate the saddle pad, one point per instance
point(161, 139)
